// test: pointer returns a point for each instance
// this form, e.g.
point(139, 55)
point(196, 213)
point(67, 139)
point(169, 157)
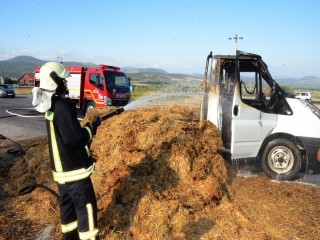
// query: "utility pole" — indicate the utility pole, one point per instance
point(235, 41)
point(60, 60)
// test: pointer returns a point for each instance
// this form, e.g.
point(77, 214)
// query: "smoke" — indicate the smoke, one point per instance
point(45, 234)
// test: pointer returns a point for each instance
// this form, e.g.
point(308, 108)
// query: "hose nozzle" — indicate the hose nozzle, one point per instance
point(119, 110)
point(115, 112)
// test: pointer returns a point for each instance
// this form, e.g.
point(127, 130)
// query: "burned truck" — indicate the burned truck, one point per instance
point(257, 119)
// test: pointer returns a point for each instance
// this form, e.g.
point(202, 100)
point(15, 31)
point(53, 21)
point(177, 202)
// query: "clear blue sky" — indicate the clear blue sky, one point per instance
point(174, 35)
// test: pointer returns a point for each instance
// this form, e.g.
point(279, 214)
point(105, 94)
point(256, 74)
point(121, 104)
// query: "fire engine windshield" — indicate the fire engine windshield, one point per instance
point(116, 81)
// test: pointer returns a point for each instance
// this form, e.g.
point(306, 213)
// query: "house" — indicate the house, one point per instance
point(26, 80)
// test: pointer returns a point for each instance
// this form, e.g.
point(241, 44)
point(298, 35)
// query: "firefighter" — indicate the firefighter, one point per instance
point(71, 161)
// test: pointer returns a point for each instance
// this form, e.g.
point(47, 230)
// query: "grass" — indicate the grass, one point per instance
point(139, 91)
point(23, 90)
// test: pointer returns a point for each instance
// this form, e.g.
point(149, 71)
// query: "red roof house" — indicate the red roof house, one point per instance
point(26, 80)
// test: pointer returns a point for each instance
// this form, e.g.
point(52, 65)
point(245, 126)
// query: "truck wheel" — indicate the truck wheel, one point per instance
point(89, 106)
point(281, 160)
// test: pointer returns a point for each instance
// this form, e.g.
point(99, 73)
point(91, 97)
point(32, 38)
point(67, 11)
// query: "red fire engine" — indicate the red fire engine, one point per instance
point(95, 87)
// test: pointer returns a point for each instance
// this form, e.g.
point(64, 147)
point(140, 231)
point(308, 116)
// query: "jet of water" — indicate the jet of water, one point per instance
point(149, 100)
point(142, 102)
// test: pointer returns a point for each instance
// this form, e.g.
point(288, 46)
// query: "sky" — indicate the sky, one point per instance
point(173, 35)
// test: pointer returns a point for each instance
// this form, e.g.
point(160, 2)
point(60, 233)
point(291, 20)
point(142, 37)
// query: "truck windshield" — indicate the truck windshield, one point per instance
point(116, 81)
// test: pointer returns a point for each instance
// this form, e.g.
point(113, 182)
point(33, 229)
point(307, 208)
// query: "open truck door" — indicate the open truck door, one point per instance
point(218, 91)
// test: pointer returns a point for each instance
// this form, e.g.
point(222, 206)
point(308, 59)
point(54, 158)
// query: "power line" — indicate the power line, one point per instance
point(201, 13)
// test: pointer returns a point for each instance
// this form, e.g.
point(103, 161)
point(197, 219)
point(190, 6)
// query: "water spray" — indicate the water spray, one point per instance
point(138, 103)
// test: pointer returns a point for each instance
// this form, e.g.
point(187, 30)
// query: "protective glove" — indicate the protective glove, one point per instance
point(95, 124)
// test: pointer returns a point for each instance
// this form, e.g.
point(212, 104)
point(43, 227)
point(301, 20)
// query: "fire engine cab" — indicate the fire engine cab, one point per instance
point(95, 87)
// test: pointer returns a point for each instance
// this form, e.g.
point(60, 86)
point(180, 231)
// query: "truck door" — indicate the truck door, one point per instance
point(252, 116)
point(220, 94)
point(96, 87)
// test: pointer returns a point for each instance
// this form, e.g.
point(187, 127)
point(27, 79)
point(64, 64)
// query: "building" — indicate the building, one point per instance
point(26, 80)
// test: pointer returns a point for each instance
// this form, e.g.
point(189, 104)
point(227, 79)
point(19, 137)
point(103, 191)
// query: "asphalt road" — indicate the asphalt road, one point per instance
point(18, 120)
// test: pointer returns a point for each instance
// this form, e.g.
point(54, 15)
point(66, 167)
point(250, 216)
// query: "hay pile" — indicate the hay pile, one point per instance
point(159, 175)
point(157, 169)
point(24, 217)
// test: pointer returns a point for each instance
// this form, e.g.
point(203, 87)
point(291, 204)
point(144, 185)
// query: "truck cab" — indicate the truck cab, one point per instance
point(95, 87)
point(258, 119)
point(98, 87)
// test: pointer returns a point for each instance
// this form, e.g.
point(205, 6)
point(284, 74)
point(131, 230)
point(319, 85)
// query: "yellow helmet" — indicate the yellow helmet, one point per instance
point(49, 73)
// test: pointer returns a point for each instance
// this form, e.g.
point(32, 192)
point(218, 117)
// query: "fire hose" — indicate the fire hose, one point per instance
point(109, 115)
point(28, 189)
point(20, 148)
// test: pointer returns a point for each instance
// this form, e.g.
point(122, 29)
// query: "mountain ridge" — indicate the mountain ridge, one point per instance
point(20, 65)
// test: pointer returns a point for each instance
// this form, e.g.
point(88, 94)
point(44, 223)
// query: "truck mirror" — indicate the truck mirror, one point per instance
point(101, 86)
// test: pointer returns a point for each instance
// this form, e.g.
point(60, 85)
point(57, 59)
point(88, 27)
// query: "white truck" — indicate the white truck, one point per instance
point(258, 119)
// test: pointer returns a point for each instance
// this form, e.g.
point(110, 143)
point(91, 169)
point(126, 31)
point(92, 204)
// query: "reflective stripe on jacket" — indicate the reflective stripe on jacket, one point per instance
point(69, 153)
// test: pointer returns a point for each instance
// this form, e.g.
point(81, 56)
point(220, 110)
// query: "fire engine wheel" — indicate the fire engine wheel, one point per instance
point(89, 106)
point(281, 160)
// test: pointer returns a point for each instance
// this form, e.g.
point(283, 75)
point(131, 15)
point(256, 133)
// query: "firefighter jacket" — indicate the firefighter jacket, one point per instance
point(70, 157)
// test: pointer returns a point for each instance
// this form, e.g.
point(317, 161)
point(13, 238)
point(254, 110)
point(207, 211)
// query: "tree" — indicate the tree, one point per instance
point(288, 88)
point(8, 80)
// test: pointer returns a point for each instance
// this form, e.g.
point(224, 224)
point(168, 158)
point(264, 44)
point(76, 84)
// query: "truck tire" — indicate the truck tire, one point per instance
point(89, 106)
point(281, 160)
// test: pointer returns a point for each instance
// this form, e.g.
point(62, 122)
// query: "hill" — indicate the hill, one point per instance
point(25, 59)
point(143, 70)
point(18, 66)
point(309, 82)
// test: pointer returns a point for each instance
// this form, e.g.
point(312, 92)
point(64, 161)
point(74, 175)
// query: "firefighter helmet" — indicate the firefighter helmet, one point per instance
point(52, 75)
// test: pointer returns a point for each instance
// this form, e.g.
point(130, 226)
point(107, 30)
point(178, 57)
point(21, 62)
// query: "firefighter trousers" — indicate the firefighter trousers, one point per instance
point(78, 210)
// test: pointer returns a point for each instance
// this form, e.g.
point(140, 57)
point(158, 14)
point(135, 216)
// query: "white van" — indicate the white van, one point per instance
point(256, 117)
point(304, 96)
